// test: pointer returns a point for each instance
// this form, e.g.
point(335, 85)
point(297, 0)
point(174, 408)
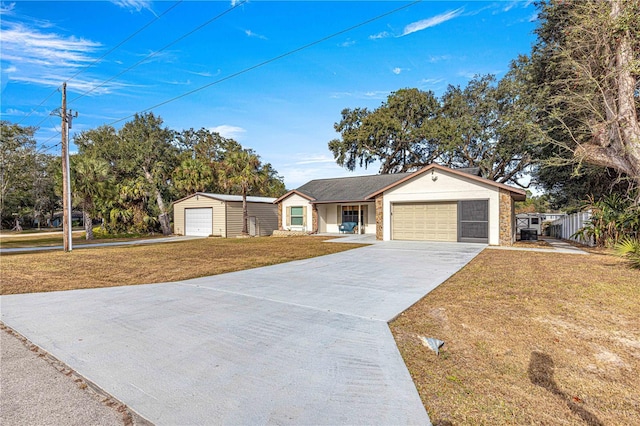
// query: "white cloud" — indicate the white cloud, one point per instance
point(374, 94)
point(77, 85)
point(467, 74)
point(431, 22)
point(431, 81)
point(510, 6)
point(396, 70)
point(17, 112)
point(21, 44)
point(204, 73)
point(315, 159)
point(383, 34)
point(306, 166)
point(35, 55)
point(250, 33)
point(434, 59)
point(227, 131)
point(136, 5)
point(7, 9)
point(347, 43)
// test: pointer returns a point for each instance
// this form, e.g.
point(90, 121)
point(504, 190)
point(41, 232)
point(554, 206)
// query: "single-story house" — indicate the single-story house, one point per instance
point(220, 215)
point(435, 203)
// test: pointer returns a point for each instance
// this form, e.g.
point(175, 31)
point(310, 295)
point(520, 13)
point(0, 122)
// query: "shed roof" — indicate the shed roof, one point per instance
point(227, 197)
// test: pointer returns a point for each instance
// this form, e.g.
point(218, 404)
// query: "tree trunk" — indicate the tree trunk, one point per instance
point(88, 225)
point(245, 215)
point(163, 217)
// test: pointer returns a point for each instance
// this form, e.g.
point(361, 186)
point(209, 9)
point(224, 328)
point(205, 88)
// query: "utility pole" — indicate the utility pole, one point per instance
point(67, 222)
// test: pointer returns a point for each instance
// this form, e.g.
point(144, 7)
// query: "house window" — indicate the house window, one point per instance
point(534, 221)
point(350, 214)
point(297, 216)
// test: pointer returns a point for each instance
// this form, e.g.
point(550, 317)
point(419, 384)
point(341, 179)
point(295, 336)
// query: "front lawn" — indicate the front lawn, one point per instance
point(531, 338)
point(164, 262)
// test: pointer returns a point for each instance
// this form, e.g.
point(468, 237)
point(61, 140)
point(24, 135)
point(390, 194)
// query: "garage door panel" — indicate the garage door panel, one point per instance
point(425, 221)
point(198, 222)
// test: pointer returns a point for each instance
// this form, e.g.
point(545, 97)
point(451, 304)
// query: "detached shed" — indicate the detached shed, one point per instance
point(220, 215)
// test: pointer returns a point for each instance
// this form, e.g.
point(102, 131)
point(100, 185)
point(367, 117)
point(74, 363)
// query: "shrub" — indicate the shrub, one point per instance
point(629, 248)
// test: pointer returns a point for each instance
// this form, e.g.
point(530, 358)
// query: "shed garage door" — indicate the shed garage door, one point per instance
point(425, 221)
point(198, 222)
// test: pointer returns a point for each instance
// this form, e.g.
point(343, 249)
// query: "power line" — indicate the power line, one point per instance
point(125, 40)
point(215, 18)
point(39, 105)
point(135, 33)
point(268, 61)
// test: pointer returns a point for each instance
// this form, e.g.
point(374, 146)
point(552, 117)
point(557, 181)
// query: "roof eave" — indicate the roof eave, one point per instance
point(516, 194)
point(292, 192)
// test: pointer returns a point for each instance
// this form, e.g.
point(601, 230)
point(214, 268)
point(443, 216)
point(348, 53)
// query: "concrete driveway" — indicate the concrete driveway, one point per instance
point(305, 342)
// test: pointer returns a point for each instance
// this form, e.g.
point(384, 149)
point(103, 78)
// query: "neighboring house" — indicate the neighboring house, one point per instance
point(77, 219)
point(535, 220)
point(434, 203)
point(204, 214)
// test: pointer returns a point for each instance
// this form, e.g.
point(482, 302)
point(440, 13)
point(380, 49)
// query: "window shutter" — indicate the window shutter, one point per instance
point(339, 215)
point(304, 215)
point(288, 215)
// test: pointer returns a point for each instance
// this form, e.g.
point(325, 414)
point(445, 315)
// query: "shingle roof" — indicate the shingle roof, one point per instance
point(365, 188)
point(355, 188)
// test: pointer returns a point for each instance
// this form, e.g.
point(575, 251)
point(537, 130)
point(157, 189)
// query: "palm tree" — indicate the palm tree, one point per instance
point(192, 175)
point(90, 185)
point(241, 171)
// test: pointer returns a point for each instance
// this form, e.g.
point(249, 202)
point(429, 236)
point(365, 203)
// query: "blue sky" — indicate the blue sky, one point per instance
point(284, 109)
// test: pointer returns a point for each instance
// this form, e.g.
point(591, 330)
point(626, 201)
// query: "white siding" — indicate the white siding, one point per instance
point(443, 186)
point(294, 200)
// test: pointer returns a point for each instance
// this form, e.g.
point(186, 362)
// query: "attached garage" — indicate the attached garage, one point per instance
point(442, 204)
point(434, 221)
point(220, 215)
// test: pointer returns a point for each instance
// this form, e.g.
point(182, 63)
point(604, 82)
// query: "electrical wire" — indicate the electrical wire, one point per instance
point(83, 69)
point(146, 58)
point(268, 61)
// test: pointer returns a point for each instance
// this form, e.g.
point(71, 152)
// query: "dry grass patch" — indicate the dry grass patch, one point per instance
point(128, 265)
point(531, 338)
point(533, 244)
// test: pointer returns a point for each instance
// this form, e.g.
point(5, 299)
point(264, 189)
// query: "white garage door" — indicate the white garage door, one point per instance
point(425, 221)
point(198, 222)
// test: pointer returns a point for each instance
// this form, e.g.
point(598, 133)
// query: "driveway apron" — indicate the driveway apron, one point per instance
point(305, 342)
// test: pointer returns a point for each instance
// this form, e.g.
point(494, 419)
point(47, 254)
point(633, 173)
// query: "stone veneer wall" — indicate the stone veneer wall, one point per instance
point(507, 219)
point(280, 216)
point(379, 223)
point(314, 219)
